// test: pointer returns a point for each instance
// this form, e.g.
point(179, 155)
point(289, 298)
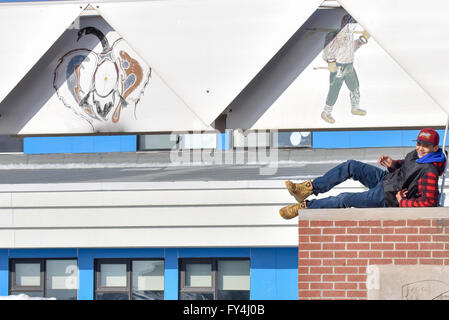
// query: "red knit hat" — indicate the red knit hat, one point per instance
point(429, 136)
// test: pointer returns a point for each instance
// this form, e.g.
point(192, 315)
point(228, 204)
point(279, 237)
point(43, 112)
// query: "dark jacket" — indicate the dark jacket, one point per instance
point(420, 179)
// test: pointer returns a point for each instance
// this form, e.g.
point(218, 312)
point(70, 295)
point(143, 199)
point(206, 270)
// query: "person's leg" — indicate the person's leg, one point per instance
point(372, 198)
point(367, 174)
point(352, 82)
point(335, 84)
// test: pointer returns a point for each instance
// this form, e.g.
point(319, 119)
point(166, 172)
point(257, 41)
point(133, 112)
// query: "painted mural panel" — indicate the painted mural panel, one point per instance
point(92, 81)
point(98, 85)
point(334, 74)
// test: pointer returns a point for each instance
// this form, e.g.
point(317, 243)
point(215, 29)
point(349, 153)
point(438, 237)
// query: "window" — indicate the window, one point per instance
point(51, 278)
point(214, 279)
point(126, 279)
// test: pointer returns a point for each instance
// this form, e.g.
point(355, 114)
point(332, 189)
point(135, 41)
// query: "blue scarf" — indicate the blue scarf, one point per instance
point(437, 156)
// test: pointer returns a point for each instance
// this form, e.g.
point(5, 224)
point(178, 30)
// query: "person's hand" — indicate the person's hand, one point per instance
point(366, 34)
point(386, 161)
point(402, 194)
point(332, 66)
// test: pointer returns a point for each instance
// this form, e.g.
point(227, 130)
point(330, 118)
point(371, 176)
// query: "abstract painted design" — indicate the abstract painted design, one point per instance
point(97, 86)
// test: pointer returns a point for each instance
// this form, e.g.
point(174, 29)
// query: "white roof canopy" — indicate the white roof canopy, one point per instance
point(262, 58)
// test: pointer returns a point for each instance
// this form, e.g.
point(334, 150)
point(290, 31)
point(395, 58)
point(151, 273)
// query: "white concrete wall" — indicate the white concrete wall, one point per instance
point(162, 214)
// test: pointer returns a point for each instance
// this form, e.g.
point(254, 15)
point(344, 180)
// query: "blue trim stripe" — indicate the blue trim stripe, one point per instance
point(82, 144)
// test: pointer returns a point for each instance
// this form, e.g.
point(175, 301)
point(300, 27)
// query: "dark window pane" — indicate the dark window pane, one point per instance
point(196, 296)
point(148, 295)
point(112, 296)
point(233, 295)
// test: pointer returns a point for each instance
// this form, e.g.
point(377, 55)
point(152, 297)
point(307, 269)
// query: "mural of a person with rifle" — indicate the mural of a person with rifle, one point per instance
point(339, 50)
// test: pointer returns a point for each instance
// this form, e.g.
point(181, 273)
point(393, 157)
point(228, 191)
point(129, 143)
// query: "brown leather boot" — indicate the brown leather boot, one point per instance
point(291, 211)
point(300, 190)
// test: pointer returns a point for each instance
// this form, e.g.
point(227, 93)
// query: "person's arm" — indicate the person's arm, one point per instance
point(363, 39)
point(427, 190)
point(390, 164)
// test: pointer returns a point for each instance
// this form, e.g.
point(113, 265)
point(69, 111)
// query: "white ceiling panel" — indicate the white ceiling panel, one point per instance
point(207, 51)
point(27, 33)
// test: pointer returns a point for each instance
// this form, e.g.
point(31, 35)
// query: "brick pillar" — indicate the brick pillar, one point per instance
point(334, 254)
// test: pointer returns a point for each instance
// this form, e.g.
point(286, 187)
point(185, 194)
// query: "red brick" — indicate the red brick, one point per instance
point(309, 246)
point(394, 254)
point(418, 238)
point(334, 293)
point(303, 285)
point(406, 246)
point(304, 239)
point(306, 231)
point(333, 277)
point(334, 231)
point(382, 230)
point(418, 223)
point(446, 262)
point(431, 246)
point(370, 254)
point(376, 223)
point(431, 261)
point(440, 254)
point(321, 270)
point(334, 262)
point(394, 238)
point(357, 294)
point(323, 223)
point(357, 246)
point(362, 286)
point(394, 223)
point(419, 254)
point(358, 230)
point(357, 278)
point(440, 238)
point(346, 223)
point(309, 278)
point(346, 270)
point(303, 254)
point(345, 286)
point(357, 262)
point(334, 246)
point(309, 262)
point(370, 238)
point(440, 223)
point(309, 293)
point(406, 261)
point(429, 230)
point(382, 246)
point(303, 270)
point(303, 223)
point(321, 238)
point(406, 230)
point(346, 238)
point(345, 254)
point(321, 285)
point(380, 261)
point(321, 254)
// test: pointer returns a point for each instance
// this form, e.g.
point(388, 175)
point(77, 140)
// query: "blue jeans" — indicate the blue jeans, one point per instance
point(370, 176)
